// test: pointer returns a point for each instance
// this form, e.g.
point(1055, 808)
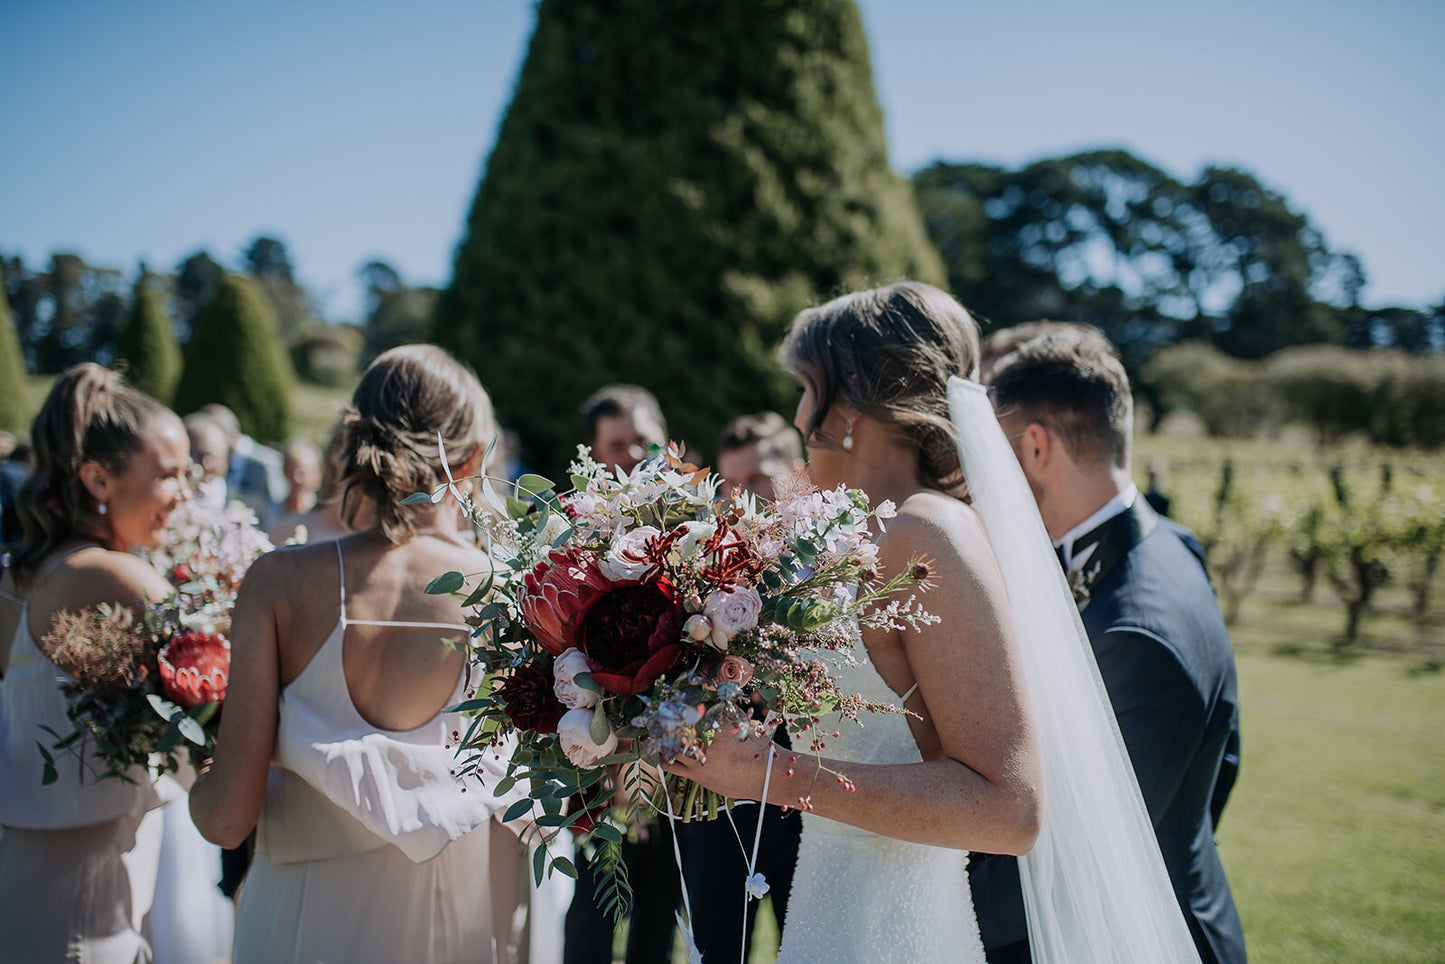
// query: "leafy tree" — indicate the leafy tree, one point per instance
point(326, 354)
point(148, 345)
point(1105, 238)
point(14, 415)
point(197, 279)
point(395, 313)
point(69, 313)
point(268, 258)
point(1276, 261)
point(666, 192)
point(235, 357)
point(269, 263)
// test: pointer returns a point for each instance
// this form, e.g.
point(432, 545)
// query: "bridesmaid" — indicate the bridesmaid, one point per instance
point(334, 746)
point(78, 858)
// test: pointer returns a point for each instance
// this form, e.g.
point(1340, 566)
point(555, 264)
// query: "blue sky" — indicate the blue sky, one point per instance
point(356, 130)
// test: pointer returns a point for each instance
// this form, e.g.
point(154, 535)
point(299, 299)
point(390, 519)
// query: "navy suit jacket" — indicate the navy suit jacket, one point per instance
point(1167, 663)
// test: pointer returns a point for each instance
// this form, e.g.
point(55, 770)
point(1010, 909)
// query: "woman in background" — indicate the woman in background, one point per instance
point(78, 858)
point(334, 746)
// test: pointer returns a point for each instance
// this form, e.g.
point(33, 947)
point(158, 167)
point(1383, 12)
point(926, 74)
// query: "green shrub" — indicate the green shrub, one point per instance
point(1227, 394)
point(235, 357)
point(148, 346)
point(325, 354)
point(14, 412)
point(671, 184)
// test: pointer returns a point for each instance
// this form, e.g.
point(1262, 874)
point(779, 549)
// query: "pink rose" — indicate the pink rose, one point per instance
point(735, 669)
point(730, 613)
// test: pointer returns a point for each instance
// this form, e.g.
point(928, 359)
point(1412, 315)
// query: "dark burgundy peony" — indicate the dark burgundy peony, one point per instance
point(632, 634)
point(528, 700)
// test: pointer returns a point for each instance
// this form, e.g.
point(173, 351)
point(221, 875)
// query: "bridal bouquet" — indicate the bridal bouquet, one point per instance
point(638, 617)
point(147, 683)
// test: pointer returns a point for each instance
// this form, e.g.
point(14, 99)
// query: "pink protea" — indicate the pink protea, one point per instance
point(555, 592)
point(195, 668)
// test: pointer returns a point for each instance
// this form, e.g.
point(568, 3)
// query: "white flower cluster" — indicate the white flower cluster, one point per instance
point(835, 523)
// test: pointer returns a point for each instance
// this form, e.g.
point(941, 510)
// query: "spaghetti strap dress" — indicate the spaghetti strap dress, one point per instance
point(368, 849)
point(78, 857)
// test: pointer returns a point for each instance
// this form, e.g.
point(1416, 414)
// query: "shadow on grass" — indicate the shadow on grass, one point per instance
point(1332, 654)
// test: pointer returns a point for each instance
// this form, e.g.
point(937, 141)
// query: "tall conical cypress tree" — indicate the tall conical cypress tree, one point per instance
point(670, 186)
point(235, 357)
point(14, 412)
point(148, 345)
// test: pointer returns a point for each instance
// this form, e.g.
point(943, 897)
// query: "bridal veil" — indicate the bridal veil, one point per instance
point(1095, 888)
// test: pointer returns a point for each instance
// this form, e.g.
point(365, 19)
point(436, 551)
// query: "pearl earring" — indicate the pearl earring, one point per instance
point(848, 438)
point(102, 508)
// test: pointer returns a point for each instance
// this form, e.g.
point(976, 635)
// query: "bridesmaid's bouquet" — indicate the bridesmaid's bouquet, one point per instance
point(147, 683)
point(638, 616)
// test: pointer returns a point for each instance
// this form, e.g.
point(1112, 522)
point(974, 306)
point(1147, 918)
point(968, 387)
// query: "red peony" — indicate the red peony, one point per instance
point(528, 700)
point(194, 669)
point(632, 634)
point(555, 592)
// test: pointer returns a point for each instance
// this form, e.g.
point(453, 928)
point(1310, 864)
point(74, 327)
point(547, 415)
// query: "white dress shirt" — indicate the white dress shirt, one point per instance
point(1119, 503)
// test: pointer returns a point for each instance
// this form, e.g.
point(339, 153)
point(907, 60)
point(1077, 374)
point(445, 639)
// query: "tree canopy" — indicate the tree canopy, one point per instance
point(668, 188)
point(147, 344)
point(236, 357)
point(1107, 239)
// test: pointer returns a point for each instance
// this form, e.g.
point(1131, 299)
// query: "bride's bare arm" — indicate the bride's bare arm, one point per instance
point(985, 793)
point(226, 799)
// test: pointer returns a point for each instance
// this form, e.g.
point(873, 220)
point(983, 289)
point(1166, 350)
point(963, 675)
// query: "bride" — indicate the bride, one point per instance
point(1003, 697)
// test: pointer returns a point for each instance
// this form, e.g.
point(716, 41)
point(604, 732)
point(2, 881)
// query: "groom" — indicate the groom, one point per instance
point(1064, 402)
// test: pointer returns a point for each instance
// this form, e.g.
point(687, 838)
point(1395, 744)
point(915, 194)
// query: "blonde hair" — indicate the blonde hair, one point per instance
point(386, 445)
point(889, 352)
point(92, 414)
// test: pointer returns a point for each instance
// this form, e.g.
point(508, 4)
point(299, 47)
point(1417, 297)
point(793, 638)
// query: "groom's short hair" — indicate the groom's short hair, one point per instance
point(1073, 384)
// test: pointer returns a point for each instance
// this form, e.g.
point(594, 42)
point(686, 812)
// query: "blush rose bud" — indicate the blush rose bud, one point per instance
point(574, 732)
point(568, 665)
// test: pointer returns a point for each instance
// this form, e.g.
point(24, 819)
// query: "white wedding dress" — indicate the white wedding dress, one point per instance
point(859, 897)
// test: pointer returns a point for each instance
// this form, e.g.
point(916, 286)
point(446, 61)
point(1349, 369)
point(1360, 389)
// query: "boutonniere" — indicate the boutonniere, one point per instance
point(1081, 582)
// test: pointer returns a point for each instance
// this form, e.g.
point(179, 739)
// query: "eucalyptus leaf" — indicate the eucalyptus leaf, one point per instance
point(516, 508)
point(539, 862)
point(468, 706)
point(585, 681)
point(518, 809)
point(169, 740)
point(192, 731)
point(417, 498)
point(599, 730)
point(564, 865)
point(164, 708)
point(447, 582)
point(49, 774)
point(479, 593)
point(533, 484)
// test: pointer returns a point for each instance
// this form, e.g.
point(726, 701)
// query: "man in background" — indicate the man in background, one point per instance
point(210, 450)
point(622, 424)
point(755, 451)
point(1063, 400)
point(254, 473)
